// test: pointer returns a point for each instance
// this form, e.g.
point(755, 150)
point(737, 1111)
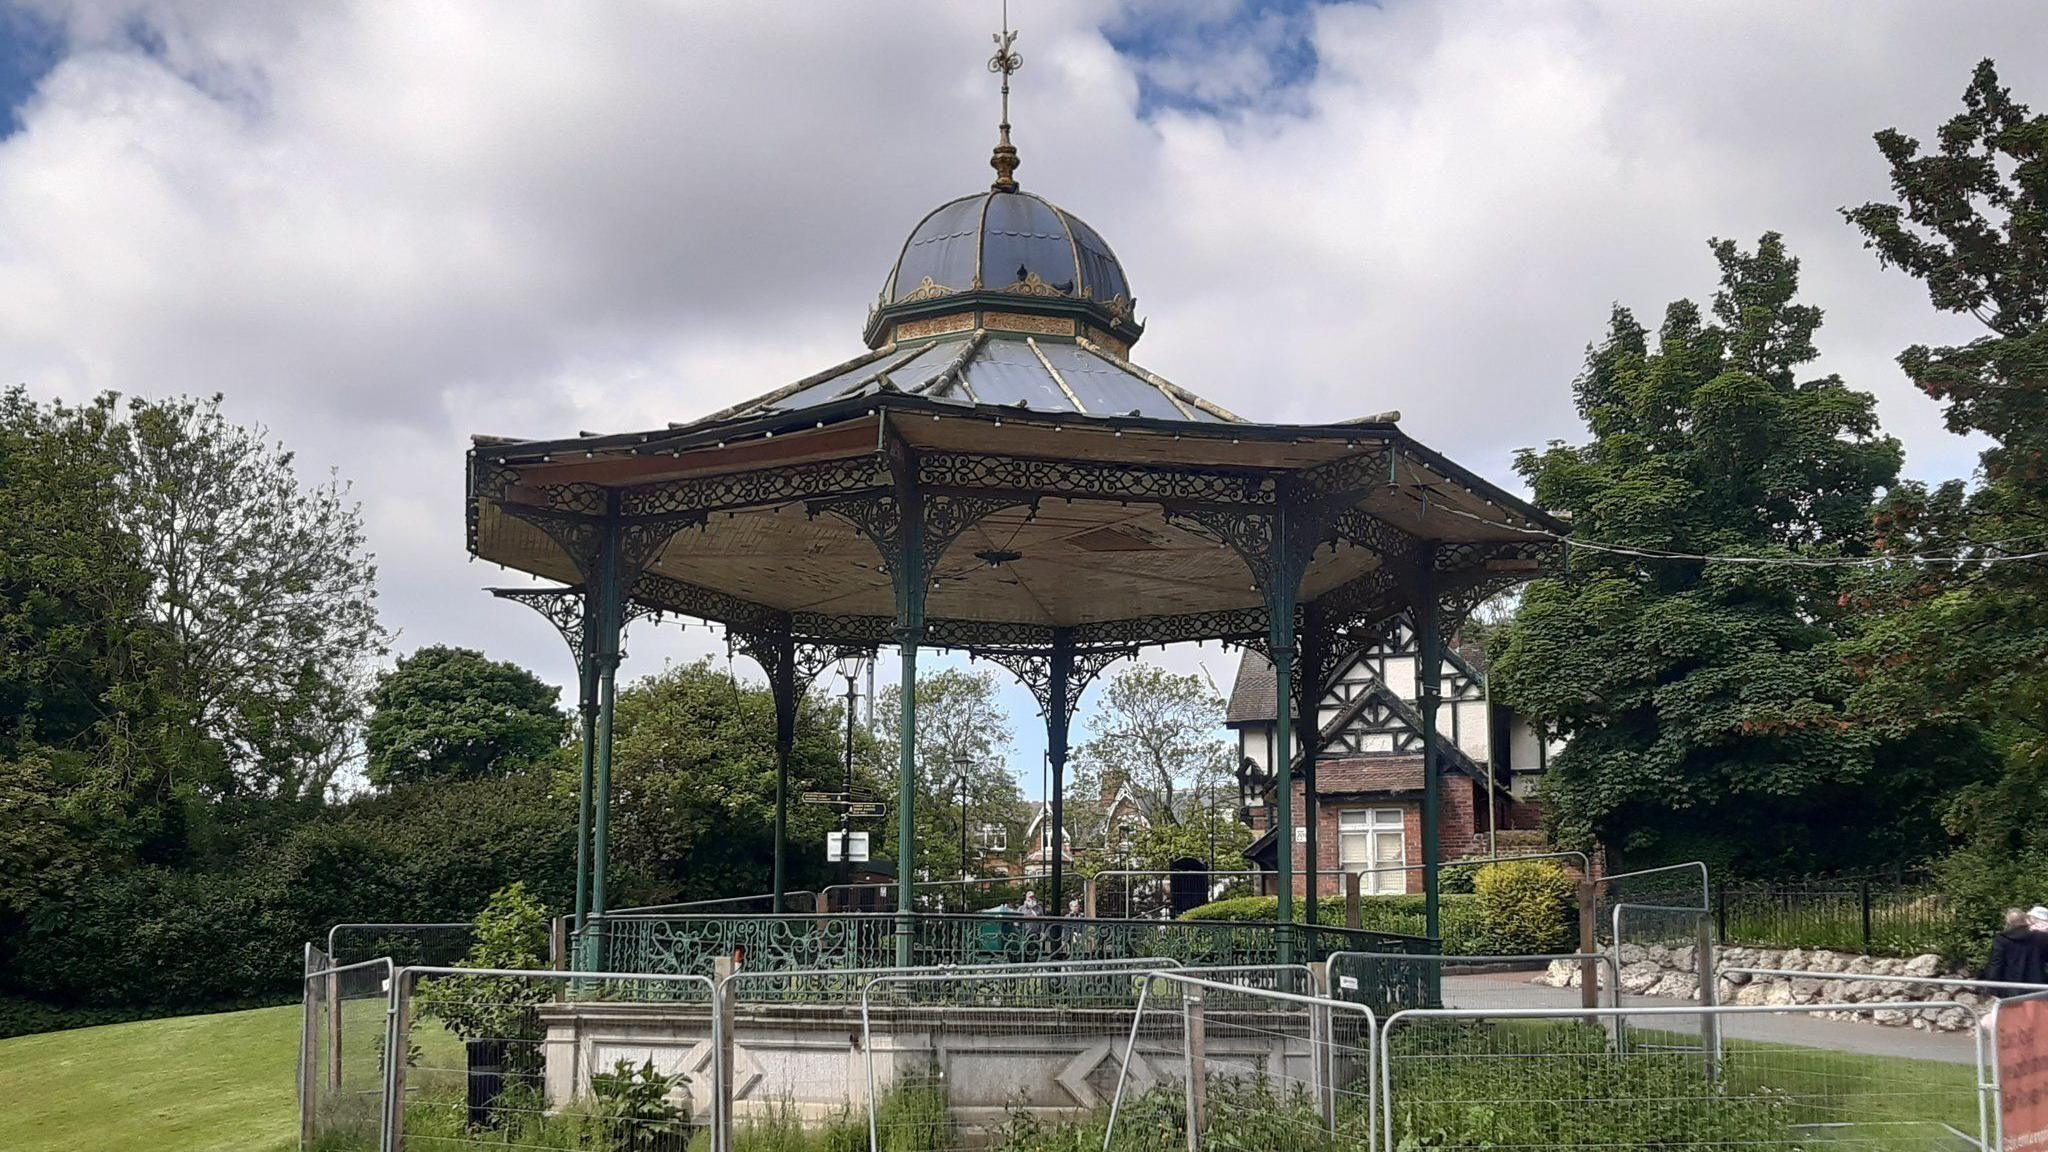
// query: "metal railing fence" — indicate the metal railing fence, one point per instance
point(967, 894)
point(1881, 915)
point(1554, 1079)
point(1147, 893)
point(868, 940)
point(796, 901)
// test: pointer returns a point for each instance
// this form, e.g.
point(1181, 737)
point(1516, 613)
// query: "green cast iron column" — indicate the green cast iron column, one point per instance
point(1309, 695)
point(1280, 604)
point(610, 620)
point(586, 706)
point(1429, 676)
point(911, 584)
point(1057, 723)
point(782, 681)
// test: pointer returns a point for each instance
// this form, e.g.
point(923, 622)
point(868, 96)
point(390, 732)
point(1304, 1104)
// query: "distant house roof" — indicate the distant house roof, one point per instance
point(1252, 696)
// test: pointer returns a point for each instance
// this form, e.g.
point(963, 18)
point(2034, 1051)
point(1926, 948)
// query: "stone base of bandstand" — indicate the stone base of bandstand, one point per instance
point(810, 1061)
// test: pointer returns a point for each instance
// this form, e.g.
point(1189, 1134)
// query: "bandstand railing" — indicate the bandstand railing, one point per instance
point(690, 944)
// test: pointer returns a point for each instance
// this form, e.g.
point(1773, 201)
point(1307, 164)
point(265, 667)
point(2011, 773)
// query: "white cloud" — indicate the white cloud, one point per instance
point(379, 228)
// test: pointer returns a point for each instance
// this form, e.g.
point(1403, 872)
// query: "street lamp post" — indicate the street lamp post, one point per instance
point(849, 667)
point(960, 765)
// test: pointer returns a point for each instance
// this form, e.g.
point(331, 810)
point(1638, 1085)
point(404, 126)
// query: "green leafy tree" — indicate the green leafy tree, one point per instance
point(1704, 701)
point(694, 787)
point(1159, 733)
point(266, 587)
point(961, 730)
point(1968, 643)
point(452, 713)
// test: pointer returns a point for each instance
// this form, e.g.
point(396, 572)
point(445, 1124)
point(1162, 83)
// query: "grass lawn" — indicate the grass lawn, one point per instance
point(189, 1084)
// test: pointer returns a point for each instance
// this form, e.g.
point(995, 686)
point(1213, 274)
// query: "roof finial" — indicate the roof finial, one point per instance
point(1006, 62)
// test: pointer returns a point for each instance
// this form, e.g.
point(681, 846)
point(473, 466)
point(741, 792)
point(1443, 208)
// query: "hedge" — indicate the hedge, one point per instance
point(1517, 908)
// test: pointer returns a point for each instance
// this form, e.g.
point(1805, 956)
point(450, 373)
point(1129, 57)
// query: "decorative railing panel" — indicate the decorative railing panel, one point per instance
point(690, 944)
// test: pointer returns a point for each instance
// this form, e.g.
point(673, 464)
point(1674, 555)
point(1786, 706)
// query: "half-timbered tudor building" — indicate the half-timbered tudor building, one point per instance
point(1366, 810)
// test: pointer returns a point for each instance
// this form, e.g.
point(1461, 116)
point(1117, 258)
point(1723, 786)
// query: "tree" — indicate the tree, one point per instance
point(1159, 733)
point(1968, 643)
point(1971, 641)
point(265, 586)
point(960, 727)
point(694, 787)
point(1704, 701)
point(451, 713)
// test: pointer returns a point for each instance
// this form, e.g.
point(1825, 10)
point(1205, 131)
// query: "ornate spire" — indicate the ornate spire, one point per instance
point(1005, 61)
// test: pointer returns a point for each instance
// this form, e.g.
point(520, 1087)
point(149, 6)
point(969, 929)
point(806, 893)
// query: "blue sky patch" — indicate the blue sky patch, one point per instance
point(1222, 58)
point(30, 45)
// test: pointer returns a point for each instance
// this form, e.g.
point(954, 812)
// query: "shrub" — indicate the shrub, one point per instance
point(1459, 917)
point(1525, 906)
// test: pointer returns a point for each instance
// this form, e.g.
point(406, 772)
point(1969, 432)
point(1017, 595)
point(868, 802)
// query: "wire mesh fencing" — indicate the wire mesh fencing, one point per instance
point(1218, 1064)
point(341, 1070)
point(403, 944)
point(1783, 1077)
point(1389, 982)
point(617, 1062)
point(1100, 1058)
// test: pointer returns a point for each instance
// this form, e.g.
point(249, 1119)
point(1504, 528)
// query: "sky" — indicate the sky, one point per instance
point(379, 228)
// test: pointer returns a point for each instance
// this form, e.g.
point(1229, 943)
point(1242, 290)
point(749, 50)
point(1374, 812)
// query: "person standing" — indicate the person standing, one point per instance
point(2019, 953)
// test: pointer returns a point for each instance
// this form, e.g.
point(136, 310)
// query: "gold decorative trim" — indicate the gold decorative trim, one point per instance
point(934, 326)
point(926, 290)
point(1120, 308)
point(1033, 285)
point(1024, 322)
point(1116, 344)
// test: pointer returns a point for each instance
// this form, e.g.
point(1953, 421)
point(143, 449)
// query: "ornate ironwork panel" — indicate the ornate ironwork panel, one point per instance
point(1350, 477)
point(562, 607)
point(1092, 480)
point(1033, 669)
point(762, 487)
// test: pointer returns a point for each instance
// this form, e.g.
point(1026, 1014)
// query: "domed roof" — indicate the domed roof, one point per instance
point(1004, 243)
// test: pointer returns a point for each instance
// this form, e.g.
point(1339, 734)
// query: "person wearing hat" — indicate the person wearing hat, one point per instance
point(2019, 954)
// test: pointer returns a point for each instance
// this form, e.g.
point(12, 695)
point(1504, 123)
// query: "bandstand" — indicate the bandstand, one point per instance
point(994, 474)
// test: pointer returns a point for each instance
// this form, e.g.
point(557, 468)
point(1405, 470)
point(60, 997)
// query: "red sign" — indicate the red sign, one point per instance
point(2022, 1027)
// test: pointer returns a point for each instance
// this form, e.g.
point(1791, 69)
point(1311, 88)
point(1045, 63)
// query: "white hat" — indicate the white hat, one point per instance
point(2037, 912)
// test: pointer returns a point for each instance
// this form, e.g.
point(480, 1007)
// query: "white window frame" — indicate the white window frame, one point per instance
point(1369, 829)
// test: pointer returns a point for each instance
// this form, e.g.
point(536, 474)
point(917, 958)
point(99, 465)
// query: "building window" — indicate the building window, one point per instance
point(994, 838)
point(1376, 839)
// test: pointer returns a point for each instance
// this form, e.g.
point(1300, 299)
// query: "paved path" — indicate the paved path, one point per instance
point(1511, 990)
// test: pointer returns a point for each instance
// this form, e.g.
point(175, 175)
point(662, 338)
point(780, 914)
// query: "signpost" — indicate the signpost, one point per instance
point(846, 846)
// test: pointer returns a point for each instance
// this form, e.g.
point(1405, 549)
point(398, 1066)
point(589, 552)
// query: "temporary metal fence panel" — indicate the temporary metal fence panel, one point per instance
point(2018, 1090)
point(586, 1060)
point(1389, 982)
point(403, 944)
point(1786, 1078)
point(1670, 886)
point(1215, 1063)
point(341, 1076)
point(1030, 1059)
